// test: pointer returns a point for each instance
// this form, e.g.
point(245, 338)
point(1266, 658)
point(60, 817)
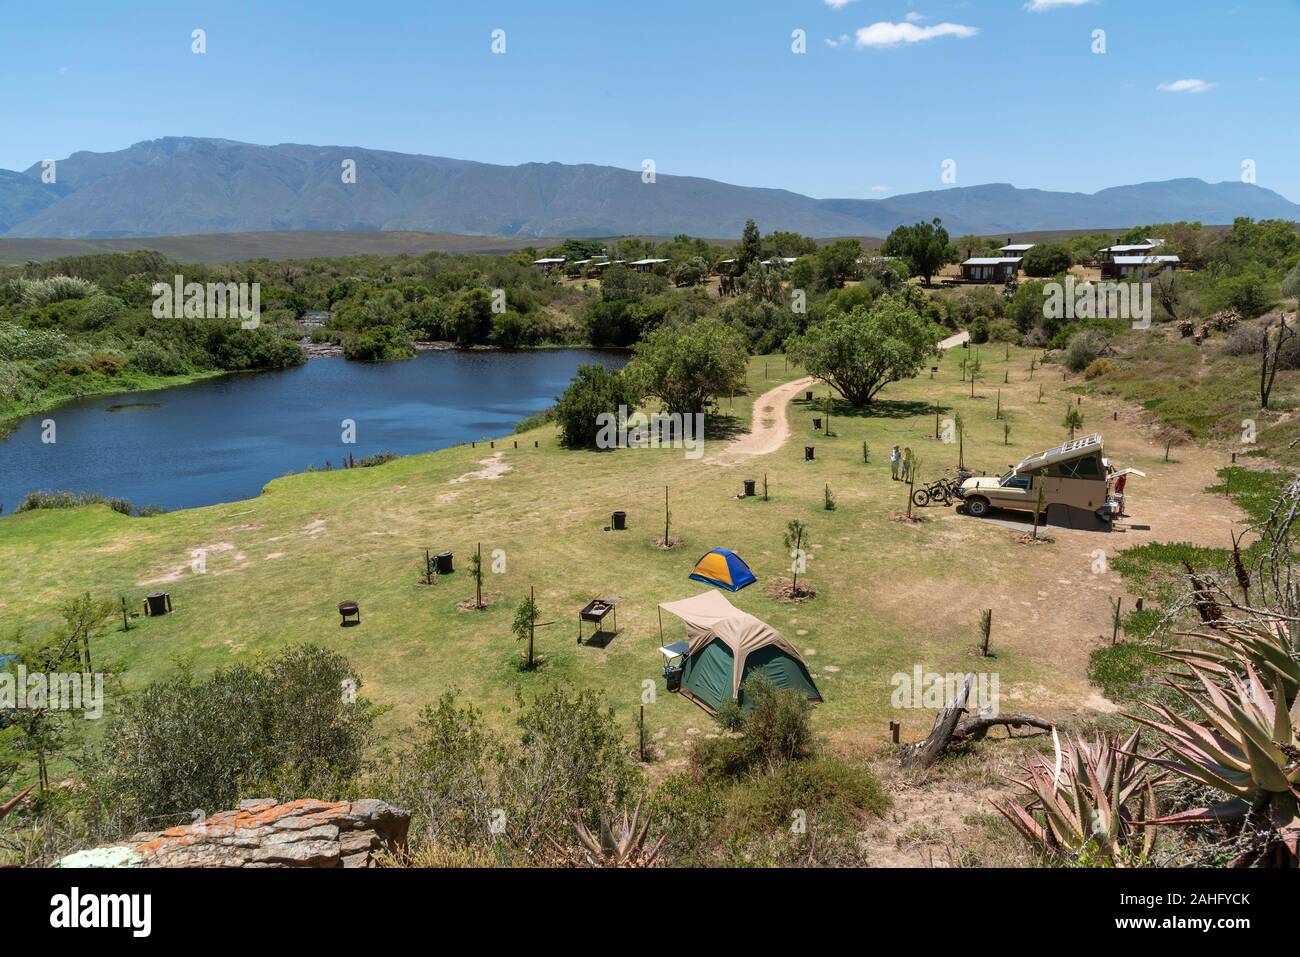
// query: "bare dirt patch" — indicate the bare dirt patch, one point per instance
point(494, 466)
point(783, 590)
point(470, 605)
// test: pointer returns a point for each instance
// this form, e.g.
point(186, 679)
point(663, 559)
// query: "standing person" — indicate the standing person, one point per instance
point(893, 463)
point(907, 463)
point(1119, 492)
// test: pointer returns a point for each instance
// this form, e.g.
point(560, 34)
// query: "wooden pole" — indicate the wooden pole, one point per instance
point(641, 734)
point(478, 578)
point(532, 620)
point(661, 627)
point(126, 619)
point(665, 516)
point(1114, 634)
point(894, 729)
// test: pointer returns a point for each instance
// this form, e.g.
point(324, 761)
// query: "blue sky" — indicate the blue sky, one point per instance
point(884, 94)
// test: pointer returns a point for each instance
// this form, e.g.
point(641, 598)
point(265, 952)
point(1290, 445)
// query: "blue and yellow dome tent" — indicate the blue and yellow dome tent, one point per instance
point(723, 568)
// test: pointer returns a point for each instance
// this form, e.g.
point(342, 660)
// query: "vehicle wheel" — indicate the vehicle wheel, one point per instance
point(947, 499)
point(920, 498)
point(978, 507)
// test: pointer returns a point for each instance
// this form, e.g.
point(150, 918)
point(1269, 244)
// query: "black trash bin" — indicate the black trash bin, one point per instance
point(808, 395)
point(817, 423)
point(619, 521)
point(749, 488)
point(157, 603)
point(807, 453)
point(442, 562)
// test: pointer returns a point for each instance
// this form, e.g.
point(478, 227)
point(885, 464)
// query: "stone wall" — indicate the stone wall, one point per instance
point(265, 833)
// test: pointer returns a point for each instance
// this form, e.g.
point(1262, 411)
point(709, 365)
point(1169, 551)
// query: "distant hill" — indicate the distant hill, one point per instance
point(184, 186)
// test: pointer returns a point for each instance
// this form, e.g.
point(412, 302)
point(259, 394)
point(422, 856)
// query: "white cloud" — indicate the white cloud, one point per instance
point(880, 189)
point(839, 41)
point(1186, 86)
point(838, 4)
point(885, 34)
point(915, 17)
point(1043, 6)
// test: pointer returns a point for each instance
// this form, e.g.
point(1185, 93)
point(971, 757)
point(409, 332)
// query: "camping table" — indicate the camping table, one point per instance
point(596, 610)
point(674, 660)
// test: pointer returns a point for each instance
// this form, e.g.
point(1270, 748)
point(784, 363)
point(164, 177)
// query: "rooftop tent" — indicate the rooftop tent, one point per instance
point(726, 645)
point(723, 568)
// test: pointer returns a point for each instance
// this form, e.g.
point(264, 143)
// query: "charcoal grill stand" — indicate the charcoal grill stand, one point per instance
point(588, 614)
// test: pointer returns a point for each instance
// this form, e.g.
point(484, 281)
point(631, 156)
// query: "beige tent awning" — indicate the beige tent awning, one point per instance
point(709, 615)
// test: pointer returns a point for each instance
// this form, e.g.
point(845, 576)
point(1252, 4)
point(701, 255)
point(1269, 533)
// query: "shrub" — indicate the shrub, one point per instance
point(1003, 330)
point(152, 358)
point(979, 330)
point(184, 742)
point(42, 292)
point(1098, 368)
point(1244, 341)
point(594, 391)
point(1082, 350)
point(1047, 259)
point(378, 344)
point(38, 500)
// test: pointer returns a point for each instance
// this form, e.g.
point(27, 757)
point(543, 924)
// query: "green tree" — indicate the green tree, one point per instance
point(594, 391)
point(471, 317)
point(1047, 259)
point(750, 249)
point(1073, 419)
point(837, 262)
point(860, 352)
point(925, 247)
point(686, 365)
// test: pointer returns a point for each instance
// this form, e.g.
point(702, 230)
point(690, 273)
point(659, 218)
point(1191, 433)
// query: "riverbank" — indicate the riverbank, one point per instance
point(89, 387)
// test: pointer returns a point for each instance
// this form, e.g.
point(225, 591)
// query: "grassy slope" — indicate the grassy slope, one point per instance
point(280, 582)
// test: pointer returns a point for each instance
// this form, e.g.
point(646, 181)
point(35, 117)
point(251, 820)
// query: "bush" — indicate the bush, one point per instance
point(153, 358)
point(1003, 330)
point(1082, 350)
point(186, 743)
point(593, 392)
point(378, 344)
point(979, 330)
point(36, 501)
point(1244, 341)
point(1047, 259)
point(1098, 368)
point(771, 729)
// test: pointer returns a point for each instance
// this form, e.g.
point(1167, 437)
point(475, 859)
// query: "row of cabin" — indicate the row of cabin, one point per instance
point(1117, 262)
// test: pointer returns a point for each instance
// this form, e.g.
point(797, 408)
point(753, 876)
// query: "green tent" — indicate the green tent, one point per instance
point(726, 646)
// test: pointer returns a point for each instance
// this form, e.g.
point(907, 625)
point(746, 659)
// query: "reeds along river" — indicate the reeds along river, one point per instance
point(223, 439)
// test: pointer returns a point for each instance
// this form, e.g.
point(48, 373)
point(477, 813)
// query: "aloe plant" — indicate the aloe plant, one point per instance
point(1084, 800)
point(625, 847)
point(1244, 744)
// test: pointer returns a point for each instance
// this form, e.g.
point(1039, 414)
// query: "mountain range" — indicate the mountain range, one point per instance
point(189, 185)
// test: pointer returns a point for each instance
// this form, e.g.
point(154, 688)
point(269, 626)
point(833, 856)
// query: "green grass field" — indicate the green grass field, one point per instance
point(889, 594)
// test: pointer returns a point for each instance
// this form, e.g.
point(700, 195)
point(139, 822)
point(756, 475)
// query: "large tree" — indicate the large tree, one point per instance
point(861, 351)
point(838, 262)
point(925, 246)
point(686, 365)
point(751, 247)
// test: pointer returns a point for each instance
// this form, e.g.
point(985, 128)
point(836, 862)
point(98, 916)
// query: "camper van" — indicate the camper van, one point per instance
point(1074, 479)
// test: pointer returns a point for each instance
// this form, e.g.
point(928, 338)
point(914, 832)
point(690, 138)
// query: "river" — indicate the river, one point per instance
point(223, 439)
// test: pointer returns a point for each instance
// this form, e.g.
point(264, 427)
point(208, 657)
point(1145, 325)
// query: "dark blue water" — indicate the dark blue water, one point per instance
point(224, 439)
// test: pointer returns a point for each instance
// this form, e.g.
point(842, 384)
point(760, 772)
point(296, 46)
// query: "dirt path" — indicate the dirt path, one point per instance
point(770, 426)
point(952, 342)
